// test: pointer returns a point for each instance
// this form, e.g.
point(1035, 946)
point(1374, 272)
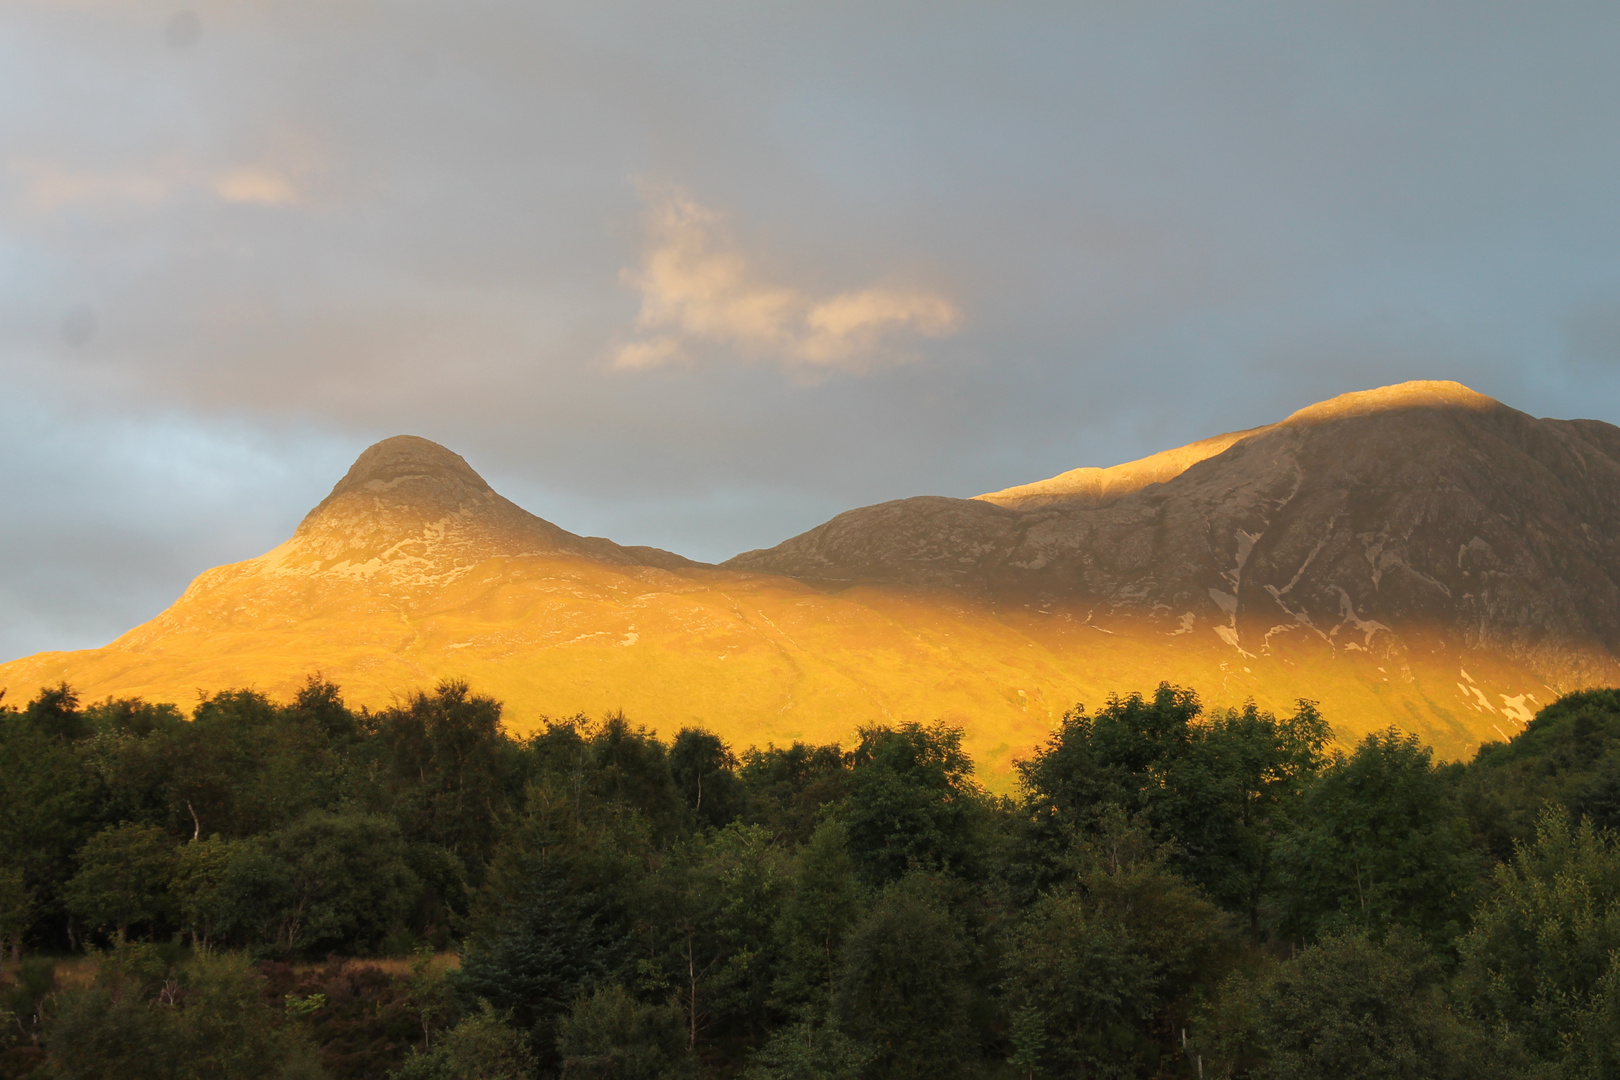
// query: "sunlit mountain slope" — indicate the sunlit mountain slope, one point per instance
point(1419, 555)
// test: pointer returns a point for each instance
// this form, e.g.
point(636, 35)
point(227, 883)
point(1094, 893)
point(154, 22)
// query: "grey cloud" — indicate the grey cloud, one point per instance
point(1156, 223)
point(110, 517)
point(1592, 334)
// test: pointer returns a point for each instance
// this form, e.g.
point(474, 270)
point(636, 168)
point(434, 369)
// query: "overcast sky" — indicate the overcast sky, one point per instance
point(701, 275)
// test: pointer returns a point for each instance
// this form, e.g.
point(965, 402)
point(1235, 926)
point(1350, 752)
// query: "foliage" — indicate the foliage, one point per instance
point(123, 877)
point(824, 900)
point(1351, 1008)
point(913, 804)
point(142, 1017)
point(48, 809)
point(1542, 961)
point(1174, 889)
point(1219, 787)
point(1379, 840)
point(704, 771)
point(450, 771)
point(1101, 963)
point(557, 912)
point(708, 916)
point(904, 987)
point(804, 1051)
point(786, 789)
point(326, 881)
point(1568, 755)
point(609, 1034)
point(484, 1046)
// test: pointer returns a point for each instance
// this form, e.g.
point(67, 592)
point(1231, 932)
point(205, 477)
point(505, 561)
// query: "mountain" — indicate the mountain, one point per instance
point(1418, 555)
point(1420, 512)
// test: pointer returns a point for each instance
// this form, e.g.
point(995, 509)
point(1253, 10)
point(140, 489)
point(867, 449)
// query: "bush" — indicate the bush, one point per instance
point(144, 1018)
point(482, 1047)
point(609, 1035)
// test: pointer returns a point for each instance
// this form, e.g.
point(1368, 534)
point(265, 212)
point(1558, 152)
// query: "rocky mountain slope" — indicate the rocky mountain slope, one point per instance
point(1419, 511)
point(1418, 555)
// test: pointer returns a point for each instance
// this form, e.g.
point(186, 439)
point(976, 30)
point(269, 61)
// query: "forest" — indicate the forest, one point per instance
point(303, 890)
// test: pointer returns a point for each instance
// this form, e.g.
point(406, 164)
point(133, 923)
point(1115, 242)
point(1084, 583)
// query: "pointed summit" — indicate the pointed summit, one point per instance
point(408, 505)
point(415, 463)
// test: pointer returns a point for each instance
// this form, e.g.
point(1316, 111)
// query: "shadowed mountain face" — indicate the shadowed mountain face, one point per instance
point(1418, 555)
point(1417, 509)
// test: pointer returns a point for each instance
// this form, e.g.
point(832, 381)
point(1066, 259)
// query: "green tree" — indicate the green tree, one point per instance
point(16, 910)
point(344, 881)
point(123, 878)
point(556, 913)
point(128, 754)
point(823, 903)
point(913, 803)
point(709, 914)
point(1243, 772)
point(451, 771)
point(217, 766)
point(1379, 839)
point(804, 1051)
point(609, 1035)
point(904, 988)
point(200, 870)
point(134, 718)
point(327, 882)
point(1091, 987)
point(320, 703)
point(704, 771)
point(430, 996)
point(1542, 959)
point(1568, 755)
point(1110, 960)
point(246, 765)
point(785, 788)
point(140, 1018)
point(50, 804)
point(1354, 1009)
point(55, 712)
point(484, 1046)
point(1219, 787)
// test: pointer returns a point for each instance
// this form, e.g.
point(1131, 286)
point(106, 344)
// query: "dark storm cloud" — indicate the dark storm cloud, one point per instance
point(939, 248)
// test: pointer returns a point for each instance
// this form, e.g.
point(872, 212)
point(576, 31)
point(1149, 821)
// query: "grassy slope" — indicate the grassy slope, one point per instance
point(756, 658)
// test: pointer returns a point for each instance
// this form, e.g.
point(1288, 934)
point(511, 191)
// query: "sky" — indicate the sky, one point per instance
point(702, 275)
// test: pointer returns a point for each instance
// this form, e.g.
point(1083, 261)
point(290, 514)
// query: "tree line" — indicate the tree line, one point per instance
point(1171, 892)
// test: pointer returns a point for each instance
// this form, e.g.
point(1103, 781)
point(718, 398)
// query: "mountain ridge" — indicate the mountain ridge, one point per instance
point(1201, 543)
point(1092, 486)
point(1417, 555)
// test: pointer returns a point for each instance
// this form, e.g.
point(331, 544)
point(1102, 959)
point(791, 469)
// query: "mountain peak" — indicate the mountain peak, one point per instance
point(410, 462)
point(1090, 486)
point(410, 503)
point(1417, 394)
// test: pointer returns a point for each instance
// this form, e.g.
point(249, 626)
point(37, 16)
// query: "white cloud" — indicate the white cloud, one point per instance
point(696, 287)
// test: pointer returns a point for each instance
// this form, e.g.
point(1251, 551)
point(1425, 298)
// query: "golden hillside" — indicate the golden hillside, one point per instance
point(414, 570)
